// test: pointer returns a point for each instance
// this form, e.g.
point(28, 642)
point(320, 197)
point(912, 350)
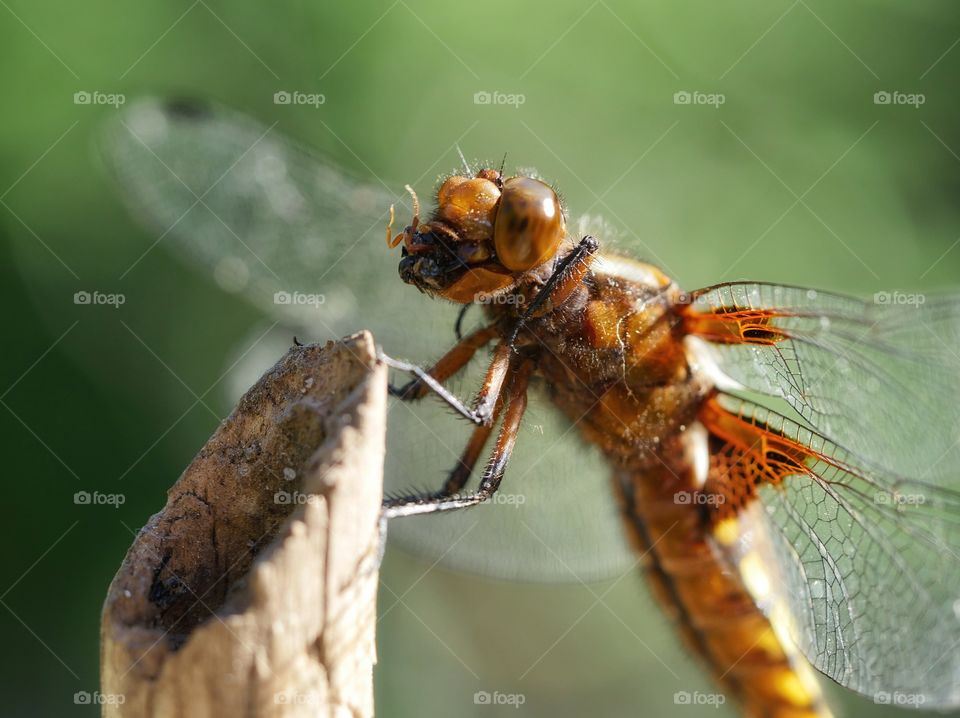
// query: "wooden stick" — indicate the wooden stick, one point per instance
point(252, 593)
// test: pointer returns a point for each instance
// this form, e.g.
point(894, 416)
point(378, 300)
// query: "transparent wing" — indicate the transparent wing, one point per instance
point(880, 378)
point(860, 567)
point(258, 213)
point(554, 518)
point(854, 544)
point(304, 242)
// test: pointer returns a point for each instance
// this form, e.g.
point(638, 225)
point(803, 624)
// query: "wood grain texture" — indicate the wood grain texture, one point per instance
point(253, 591)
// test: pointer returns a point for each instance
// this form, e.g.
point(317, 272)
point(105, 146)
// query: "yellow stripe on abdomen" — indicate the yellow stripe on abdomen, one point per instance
point(747, 652)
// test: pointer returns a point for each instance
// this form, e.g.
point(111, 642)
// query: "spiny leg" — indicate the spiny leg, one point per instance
point(486, 399)
point(489, 402)
point(456, 480)
point(449, 364)
point(490, 397)
point(445, 499)
point(458, 476)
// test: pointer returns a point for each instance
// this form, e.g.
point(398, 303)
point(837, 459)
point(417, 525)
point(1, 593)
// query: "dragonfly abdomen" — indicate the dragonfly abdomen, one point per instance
point(664, 515)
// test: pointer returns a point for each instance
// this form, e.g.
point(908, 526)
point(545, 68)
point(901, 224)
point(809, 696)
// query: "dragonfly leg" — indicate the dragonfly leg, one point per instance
point(448, 365)
point(447, 498)
point(482, 412)
point(456, 479)
point(458, 325)
point(567, 275)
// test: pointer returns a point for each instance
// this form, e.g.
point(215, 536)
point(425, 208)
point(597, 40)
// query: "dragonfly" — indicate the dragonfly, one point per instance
point(781, 462)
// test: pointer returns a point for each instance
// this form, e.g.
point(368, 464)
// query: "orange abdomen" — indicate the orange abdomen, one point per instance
point(704, 595)
point(621, 373)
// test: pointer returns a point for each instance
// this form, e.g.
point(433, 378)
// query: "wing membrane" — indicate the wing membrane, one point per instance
point(857, 517)
point(879, 378)
point(860, 566)
point(254, 210)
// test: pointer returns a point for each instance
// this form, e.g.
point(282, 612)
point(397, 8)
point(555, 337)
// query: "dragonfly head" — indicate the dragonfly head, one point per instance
point(485, 234)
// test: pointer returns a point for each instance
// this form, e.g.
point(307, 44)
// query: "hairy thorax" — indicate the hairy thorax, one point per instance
point(613, 360)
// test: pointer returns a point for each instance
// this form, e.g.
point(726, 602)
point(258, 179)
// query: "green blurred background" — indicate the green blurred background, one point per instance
point(799, 177)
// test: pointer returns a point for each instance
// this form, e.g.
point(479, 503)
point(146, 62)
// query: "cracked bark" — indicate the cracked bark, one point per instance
point(253, 591)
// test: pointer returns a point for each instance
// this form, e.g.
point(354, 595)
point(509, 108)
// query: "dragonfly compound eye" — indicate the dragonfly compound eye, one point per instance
point(529, 226)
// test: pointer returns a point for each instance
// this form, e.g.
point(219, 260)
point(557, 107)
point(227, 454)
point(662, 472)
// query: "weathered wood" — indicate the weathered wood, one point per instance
point(252, 593)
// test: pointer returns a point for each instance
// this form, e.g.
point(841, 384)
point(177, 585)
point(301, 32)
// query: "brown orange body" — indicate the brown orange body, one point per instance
point(608, 337)
point(615, 362)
